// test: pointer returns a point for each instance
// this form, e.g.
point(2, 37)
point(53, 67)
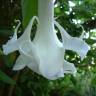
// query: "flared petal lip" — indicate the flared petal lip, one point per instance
point(84, 46)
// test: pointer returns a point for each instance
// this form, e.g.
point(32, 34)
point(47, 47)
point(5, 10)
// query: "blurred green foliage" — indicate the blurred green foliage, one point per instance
point(27, 10)
point(71, 14)
point(5, 78)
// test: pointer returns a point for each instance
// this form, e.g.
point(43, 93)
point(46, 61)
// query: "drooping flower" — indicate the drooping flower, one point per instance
point(45, 54)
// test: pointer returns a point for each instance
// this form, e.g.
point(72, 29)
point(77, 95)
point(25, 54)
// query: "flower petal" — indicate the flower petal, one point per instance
point(9, 47)
point(69, 68)
point(51, 65)
point(26, 34)
point(73, 43)
point(21, 62)
point(29, 50)
point(14, 43)
point(34, 66)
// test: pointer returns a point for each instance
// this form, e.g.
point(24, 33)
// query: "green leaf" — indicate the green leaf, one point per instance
point(6, 79)
point(29, 9)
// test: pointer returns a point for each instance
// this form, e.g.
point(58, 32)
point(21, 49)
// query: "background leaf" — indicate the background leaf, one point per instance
point(29, 9)
point(5, 78)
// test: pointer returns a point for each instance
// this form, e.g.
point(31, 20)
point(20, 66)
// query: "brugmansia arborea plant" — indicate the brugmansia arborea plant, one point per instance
point(45, 54)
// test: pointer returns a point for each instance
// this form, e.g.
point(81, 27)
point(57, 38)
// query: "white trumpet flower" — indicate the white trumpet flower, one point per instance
point(45, 54)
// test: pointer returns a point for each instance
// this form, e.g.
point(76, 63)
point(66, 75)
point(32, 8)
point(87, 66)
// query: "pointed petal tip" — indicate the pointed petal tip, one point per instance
point(16, 68)
point(69, 68)
point(10, 45)
point(5, 51)
point(74, 73)
point(9, 48)
point(84, 51)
